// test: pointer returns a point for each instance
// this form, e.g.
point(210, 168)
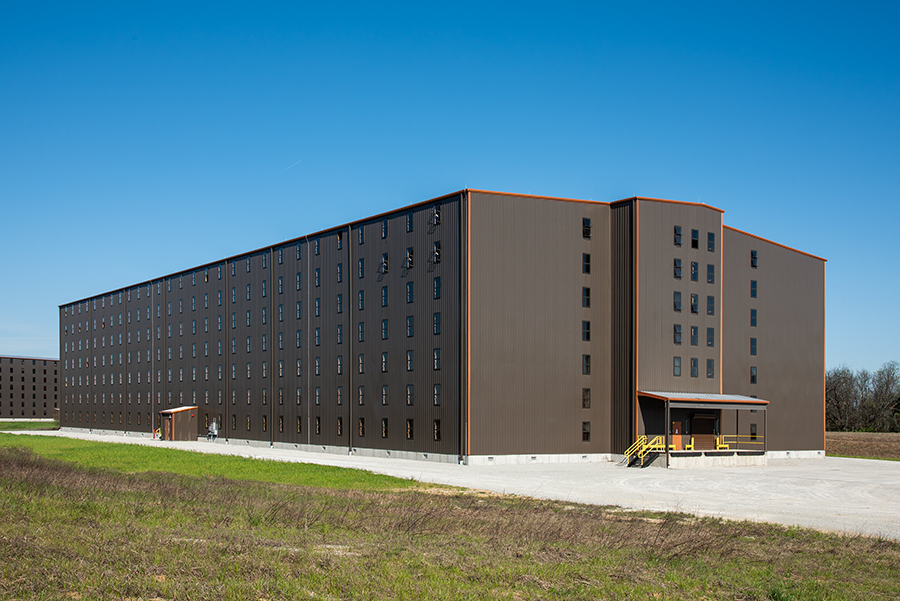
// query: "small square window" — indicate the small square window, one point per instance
point(753, 346)
point(710, 274)
point(711, 242)
point(710, 368)
point(677, 333)
point(586, 331)
point(752, 318)
point(676, 367)
point(695, 239)
point(695, 368)
point(754, 259)
point(677, 269)
point(753, 374)
point(677, 235)
point(585, 262)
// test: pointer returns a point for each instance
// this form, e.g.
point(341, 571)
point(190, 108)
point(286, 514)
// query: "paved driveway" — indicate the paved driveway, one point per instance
point(857, 496)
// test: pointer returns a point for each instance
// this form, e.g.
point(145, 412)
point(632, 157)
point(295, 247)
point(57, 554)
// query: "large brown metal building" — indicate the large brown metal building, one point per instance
point(28, 387)
point(478, 326)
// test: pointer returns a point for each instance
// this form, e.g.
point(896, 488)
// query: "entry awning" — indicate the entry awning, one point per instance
point(177, 410)
point(695, 400)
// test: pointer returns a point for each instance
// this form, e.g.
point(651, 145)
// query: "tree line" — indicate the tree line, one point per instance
point(863, 400)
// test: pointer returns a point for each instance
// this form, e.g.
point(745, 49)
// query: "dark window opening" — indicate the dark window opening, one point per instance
point(754, 259)
point(585, 398)
point(677, 334)
point(676, 367)
point(677, 235)
point(695, 239)
point(585, 263)
point(586, 228)
point(677, 269)
point(695, 368)
point(585, 431)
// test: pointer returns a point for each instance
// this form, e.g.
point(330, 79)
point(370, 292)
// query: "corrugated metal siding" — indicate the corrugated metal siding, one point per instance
point(86, 411)
point(790, 335)
point(422, 409)
point(622, 323)
point(526, 314)
point(656, 314)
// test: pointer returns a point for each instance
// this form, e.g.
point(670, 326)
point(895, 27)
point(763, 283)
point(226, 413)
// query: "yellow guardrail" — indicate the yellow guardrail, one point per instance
point(634, 448)
point(742, 439)
point(657, 444)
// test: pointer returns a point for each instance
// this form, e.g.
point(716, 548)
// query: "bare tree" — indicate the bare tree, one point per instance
point(841, 399)
point(863, 400)
point(884, 396)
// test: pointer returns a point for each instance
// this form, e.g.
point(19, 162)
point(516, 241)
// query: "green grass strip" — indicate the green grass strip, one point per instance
point(18, 425)
point(128, 458)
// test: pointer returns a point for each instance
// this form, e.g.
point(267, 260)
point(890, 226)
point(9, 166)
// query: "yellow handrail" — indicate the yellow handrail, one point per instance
point(657, 444)
point(634, 448)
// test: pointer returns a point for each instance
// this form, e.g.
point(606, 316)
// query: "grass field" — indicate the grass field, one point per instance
point(14, 425)
point(72, 530)
point(869, 445)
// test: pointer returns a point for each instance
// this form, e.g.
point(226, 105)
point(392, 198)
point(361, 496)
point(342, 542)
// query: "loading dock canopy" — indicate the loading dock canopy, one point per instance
point(693, 400)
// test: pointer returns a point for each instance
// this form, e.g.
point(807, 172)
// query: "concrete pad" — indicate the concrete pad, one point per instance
point(855, 496)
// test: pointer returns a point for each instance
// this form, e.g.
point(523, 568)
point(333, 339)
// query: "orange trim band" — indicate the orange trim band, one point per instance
point(468, 207)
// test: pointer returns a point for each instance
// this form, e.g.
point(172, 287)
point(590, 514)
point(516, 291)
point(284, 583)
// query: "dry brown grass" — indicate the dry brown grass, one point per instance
point(881, 445)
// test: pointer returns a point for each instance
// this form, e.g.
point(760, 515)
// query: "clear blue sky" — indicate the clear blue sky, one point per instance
point(141, 139)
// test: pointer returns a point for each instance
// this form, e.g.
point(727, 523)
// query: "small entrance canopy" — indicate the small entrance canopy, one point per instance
point(179, 423)
point(693, 400)
point(697, 421)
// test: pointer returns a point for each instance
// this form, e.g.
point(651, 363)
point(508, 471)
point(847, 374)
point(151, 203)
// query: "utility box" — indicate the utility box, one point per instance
point(178, 424)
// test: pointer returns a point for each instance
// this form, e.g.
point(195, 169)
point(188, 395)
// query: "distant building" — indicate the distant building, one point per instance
point(477, 326)
point(28, 387)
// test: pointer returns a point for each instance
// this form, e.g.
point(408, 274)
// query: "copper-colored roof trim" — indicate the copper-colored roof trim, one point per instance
point(734, 229)
point(178, 409)
point(677, 202)
point(687, 399)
